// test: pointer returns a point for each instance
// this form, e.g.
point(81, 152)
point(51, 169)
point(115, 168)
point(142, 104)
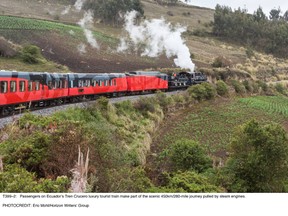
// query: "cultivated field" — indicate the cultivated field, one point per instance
point(212, 123)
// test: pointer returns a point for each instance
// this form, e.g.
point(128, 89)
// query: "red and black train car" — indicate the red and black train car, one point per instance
point(23, 89)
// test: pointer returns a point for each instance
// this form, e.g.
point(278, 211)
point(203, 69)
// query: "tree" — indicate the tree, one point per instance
point(285, 16)
point(275, 14)
point(259, 15)
point(112, 10)
point(259, 158)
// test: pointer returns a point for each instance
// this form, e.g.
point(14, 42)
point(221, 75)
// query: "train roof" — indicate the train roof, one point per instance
point(146, 73)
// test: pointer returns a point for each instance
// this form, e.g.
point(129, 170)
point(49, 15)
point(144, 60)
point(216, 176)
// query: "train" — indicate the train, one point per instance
point(24, 90)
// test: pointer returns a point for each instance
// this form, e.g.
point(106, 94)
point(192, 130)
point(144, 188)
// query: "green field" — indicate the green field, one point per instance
point(19, 23)
point(212, 123)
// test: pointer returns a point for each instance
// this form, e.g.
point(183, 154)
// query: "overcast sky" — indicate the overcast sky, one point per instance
point(251, 5)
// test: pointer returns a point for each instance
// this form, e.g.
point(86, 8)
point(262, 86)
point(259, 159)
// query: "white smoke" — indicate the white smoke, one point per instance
point(123, 46)
point(85, 23)
point(81, 48)
point(66, 10)
point(159, 37)
point(79, 4)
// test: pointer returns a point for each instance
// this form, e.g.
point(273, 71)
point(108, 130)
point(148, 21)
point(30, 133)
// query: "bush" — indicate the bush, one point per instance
point(259, 158)
point(280, 88)
point(29, 152)
point(262, 85)
point(202, 91)
point(221, 88)
point(221, 61)
point(164, 100)
point(129, 180)
point(189, 155)
point(239, 87)
point(255, 87)
point(146, 105)
point(248, 86)
point(189, 182)
point(31, 54)
point(249, 52)
point(16, 179)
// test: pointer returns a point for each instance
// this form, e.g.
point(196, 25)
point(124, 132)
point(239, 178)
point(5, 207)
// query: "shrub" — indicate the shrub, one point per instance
point(248, 86)
point(255, 87)
point(249, 52)
point(189, 182)
point(280, 88)
point(202, 91)
point(221, 61)
point(262, 85)
point(16, 179)
point(29, 152)
point(164, 100)
point(239, 87)
point(259, 157)
point(189, 155)
point(170, 13)
point(130, 180)
point(31, 54)
point(221, 88)
point(146, 105)
point(60, 185)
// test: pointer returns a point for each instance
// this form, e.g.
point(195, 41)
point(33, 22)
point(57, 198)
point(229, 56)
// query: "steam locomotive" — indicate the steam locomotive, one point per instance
point(22, 90)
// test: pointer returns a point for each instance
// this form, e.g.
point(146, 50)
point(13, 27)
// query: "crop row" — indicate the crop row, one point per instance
point(18, 23)
point(272, 105)
point(212, 125)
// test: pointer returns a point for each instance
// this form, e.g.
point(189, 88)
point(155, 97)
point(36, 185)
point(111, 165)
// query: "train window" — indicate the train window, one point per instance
point(105, 82)
point(60, 84)
point(12, 86)
point(80, 83)
point(111, 82)
point(65, 83)
point(87, 83)
point(100, 82)
point(22, 86)
point(30, 86)
point(94, 82)
point(37, 85)
point(55, 84)
point(115, 82)
point(50, 85)
point(3, 87)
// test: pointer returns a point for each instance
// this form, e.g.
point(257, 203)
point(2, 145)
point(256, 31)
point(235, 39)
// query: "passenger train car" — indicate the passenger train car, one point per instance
point(19, 90)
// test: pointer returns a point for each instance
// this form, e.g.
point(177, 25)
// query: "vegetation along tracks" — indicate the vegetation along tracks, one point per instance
point(45, 111)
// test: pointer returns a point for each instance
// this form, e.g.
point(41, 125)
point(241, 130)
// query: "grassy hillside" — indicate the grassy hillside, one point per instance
point(59, 42)
point(185, 154)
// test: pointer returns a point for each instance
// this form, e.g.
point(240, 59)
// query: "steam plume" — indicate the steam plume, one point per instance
point(86, 22)
point(81, 48)
point(159, 37)
point(79, 4)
